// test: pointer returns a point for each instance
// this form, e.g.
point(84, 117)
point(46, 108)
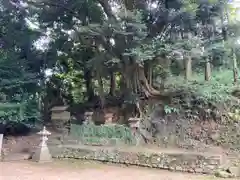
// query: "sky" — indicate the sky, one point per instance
point(236, 3)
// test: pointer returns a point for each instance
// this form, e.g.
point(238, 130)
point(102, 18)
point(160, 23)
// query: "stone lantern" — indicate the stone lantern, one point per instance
point(88, 117)
point(108, 118)
point(134, 124)
point(42, 153)
point(60, 117)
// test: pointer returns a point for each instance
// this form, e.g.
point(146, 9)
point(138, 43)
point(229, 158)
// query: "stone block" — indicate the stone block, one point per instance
point(235, 170)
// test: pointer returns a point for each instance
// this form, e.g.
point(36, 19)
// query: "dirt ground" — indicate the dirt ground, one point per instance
point(90, 171)
point(80, 170)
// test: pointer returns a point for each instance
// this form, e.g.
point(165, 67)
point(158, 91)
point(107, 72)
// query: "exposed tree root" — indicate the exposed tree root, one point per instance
point(148, 90)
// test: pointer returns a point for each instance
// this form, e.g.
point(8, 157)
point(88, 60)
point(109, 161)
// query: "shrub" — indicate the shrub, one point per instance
point(103, 131)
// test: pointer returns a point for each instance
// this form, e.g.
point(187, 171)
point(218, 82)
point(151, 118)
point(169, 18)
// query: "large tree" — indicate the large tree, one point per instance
point(20, 63)
point(124, 45)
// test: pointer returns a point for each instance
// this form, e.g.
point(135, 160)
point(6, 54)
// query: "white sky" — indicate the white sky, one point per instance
point(235, 3)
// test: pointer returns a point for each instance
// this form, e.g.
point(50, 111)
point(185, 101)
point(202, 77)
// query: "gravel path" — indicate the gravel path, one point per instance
point(91, 171)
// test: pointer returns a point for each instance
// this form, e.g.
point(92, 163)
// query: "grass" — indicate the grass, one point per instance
point(219, 88)
point(120, 132)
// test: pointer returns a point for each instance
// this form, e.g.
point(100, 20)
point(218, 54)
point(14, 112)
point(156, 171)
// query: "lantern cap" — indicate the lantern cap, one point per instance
point(44, 132)
point(88, 113)
point(134, 119)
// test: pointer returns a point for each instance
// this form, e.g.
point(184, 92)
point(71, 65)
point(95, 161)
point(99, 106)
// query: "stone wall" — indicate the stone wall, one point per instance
point(178, 161)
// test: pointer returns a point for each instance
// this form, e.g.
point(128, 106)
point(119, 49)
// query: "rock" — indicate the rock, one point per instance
point(215, 136)
point(234, 170)
point(223, 174)
point(17, 157)
point(198, 170)
point(178, 168)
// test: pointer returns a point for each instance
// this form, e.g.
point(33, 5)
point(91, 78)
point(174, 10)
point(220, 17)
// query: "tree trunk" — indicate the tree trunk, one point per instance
point(124, 81)
point(101, 90)
point(147, 89)
point(235, 68)
point(188, 67)
point(129, 4)
point(148, 72)
point(112, 84)
point(88, 83)
point(207, 70)
point(136, 81)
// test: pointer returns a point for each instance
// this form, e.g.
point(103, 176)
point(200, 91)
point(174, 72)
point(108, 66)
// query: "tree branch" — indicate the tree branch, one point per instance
point(107, 9)
point(43, 4)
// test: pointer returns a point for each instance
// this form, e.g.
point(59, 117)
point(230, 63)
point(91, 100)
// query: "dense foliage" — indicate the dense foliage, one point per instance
point(19, 68)
point(96, 133)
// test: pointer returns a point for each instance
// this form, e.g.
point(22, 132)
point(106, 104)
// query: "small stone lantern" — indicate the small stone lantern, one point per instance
point(108, 118)
point(134, 124)
point(88, 117)
point(42, 153)
point(60, 117)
